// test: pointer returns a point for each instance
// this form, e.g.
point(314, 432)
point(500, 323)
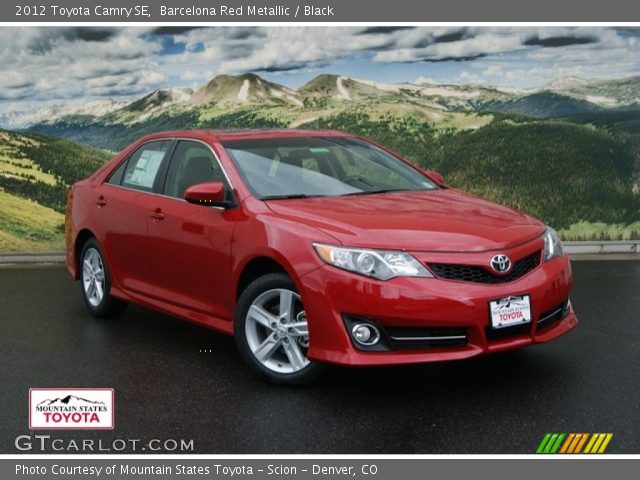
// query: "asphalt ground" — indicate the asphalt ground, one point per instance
point(168, 387)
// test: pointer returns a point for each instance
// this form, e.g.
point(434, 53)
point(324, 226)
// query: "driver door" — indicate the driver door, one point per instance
point(190, 245)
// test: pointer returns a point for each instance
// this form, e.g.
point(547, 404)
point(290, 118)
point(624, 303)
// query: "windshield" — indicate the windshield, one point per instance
point(320, 166)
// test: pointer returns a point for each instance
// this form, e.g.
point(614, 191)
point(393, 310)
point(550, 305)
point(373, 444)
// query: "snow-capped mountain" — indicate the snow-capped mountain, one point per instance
point(51, 113)
point(243, 89)
point(566, 83)
point(326, 92)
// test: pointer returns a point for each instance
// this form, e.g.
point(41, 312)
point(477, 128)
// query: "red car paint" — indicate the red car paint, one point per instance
point(187, 260)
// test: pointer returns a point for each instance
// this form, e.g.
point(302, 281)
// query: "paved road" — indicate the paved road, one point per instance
point(587, 381)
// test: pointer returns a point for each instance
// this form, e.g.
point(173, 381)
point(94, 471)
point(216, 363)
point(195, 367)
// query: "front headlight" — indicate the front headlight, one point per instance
point(380, 264)
point(552, 244)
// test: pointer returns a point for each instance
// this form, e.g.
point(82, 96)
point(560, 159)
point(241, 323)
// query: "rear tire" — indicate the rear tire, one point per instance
point(270, 330)
point(95, 282)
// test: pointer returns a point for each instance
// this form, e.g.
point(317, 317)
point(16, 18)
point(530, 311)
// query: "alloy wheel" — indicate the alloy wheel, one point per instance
point(277, 332)
point(93, 277)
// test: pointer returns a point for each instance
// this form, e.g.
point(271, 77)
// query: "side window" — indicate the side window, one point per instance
point(144, 164)
point(192, 163)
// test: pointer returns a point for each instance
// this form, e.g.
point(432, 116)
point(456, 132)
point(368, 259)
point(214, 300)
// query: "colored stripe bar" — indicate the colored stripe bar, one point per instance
point(606, 441)
point(581, 443)
point(543, 443)
point(574, 444)
point(550, 443)
point(556, 446)
point(567, 442)
point(590, 444)
point(599, 439)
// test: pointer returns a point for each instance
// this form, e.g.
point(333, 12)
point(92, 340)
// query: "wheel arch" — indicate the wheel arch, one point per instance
point(258, 266)
point(81, 238)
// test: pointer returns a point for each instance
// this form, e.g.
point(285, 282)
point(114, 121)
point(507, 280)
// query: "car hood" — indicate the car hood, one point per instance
point(436, 220)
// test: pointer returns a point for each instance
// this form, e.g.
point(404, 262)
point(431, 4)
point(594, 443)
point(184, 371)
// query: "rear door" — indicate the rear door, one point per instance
point(122, 208)
point(190, 245)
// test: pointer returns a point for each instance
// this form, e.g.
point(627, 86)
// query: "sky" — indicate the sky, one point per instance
point(42, 66)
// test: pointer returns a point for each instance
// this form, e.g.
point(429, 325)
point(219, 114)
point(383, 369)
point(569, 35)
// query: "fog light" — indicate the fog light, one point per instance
point(365, 334)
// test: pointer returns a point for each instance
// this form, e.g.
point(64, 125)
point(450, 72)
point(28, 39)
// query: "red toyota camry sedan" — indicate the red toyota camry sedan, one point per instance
point(313, 248)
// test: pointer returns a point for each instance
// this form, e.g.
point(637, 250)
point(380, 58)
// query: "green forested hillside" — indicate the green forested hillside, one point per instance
point(41, 168)
point(622, 124)
point(27, 226)
point(541, 105)
point(35, 173)
point(558, 171)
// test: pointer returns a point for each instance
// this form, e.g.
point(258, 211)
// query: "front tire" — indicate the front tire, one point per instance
point(270, 329)
point(95, 282)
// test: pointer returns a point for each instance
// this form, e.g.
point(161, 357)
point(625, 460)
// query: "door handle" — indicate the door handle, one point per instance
point(100, 201)
point(157, 215)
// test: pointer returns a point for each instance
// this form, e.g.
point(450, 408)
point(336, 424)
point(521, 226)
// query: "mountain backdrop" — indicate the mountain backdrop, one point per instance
point(568, 153)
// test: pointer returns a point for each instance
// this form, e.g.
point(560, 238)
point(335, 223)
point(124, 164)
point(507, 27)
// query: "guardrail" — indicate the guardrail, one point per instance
point(604, 247)
point(628, 248)
point(31, 257)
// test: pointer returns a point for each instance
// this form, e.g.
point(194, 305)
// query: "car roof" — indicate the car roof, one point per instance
point(245, 134)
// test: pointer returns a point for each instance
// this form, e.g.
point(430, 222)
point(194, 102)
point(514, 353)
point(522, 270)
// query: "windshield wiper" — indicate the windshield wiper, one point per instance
point(305, 195)
point(287, 196)
point(368, 192)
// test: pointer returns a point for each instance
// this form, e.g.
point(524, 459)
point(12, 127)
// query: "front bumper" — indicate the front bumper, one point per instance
point(330, 294)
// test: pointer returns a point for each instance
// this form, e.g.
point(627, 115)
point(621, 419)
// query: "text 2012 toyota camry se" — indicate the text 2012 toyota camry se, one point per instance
point(313, 247)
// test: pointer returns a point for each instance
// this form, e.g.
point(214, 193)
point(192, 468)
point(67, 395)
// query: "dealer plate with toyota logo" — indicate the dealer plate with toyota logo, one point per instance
point(508, 311)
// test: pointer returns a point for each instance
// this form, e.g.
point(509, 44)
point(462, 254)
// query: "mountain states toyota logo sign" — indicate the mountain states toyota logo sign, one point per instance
point(71, 408)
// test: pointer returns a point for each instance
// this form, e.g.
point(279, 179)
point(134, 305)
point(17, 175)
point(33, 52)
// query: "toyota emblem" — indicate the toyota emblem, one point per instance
point(501, 263)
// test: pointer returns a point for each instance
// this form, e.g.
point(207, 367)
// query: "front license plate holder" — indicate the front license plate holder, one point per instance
point(509, 311)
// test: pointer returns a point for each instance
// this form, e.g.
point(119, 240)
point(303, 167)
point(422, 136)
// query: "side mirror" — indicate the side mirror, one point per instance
point(435, 176)
point(209, 193)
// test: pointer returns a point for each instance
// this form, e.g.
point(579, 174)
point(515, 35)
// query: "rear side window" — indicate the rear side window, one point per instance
point(143, 166)
point(192, 163)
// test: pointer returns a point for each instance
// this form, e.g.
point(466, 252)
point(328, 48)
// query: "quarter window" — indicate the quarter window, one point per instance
point(116, 176)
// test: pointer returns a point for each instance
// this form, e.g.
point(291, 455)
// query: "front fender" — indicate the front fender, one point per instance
point(286, 242)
